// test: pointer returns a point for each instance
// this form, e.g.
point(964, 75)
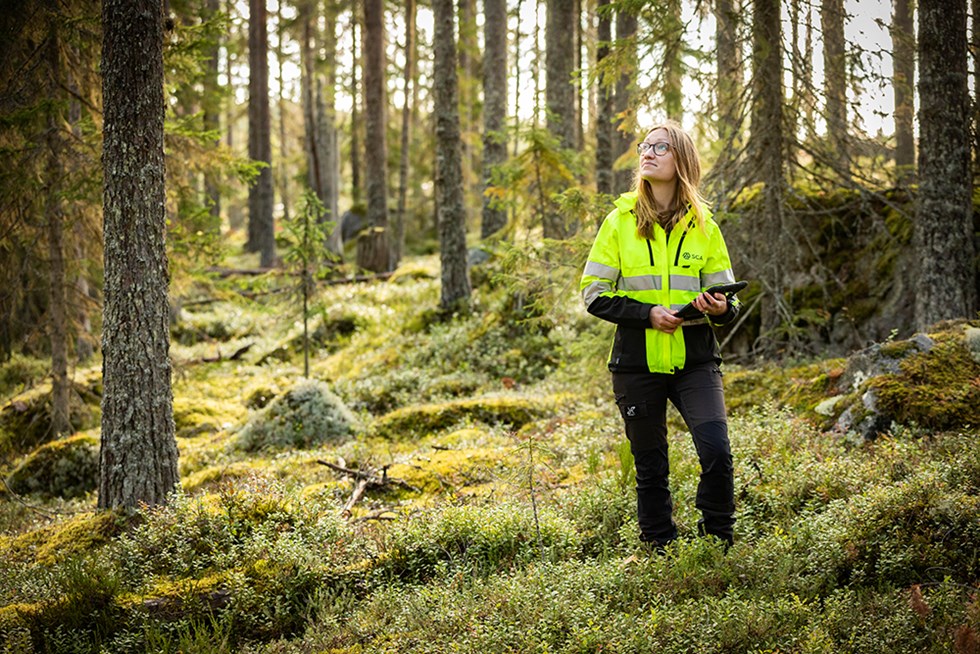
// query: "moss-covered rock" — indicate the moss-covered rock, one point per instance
point(308, 415)
point(68, 467)
point(428, 418)
point(76, 535)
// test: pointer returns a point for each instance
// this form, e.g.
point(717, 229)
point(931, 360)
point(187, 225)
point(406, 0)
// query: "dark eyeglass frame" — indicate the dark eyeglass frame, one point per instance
point(660, 148)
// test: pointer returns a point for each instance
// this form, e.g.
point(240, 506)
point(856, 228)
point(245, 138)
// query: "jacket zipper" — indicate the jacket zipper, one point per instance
point(650, 250)
point(680, 245)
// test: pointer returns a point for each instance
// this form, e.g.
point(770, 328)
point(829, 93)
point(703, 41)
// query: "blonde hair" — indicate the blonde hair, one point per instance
point(686, 195)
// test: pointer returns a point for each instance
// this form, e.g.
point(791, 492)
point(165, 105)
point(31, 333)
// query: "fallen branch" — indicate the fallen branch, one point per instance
point(366, 480)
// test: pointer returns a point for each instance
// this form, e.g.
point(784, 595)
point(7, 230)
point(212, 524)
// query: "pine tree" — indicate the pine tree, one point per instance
point(139, 452)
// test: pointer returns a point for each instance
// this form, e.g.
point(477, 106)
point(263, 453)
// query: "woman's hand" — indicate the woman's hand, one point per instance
point(713, 305)
point(664, 320)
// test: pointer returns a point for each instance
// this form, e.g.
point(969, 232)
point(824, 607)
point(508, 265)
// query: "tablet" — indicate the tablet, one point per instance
point(690, 312)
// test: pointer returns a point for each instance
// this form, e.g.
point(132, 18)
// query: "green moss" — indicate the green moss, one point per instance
point(77, 535)
point(307, 415)
point(68, 467)
point(429, 418)
point(198, 415)
point(800, 387)
point(938, 389)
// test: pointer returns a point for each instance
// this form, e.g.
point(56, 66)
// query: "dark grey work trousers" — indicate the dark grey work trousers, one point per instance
point(696, 391)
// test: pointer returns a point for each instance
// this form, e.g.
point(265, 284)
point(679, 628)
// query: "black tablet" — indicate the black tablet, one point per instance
point(690, 312)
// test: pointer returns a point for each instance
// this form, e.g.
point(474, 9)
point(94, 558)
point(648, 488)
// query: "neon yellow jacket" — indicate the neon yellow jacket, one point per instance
point(627, 274)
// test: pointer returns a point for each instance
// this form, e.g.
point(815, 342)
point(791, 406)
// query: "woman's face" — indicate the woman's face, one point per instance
point(654, 167)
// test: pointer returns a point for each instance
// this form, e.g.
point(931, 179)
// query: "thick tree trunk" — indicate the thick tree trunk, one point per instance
point(376, 156)
point(398, 240)
point(261, 228)
point(605, 129)
point(626, 25)
point(494, 108)
point(730, 83)
point(139, 453)
point(768, 144)
point(943, 231)
point(560, 94)
point(455, 283)
point(835, 82)
point(903, 79)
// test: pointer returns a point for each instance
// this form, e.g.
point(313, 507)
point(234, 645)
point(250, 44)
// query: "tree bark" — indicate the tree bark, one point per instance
point(138, 459)
point(835, 82)
point(398, 242)
point(376, 156)
point(943, 230)
point(281, 110)
point(261, 228)
point(54, 217)
point(605, 128)
point(560, 94)
point(673, 40)
point(767, 149)
point(494, 109)
point(903, 80)
point(212, 114)
point(626, 25)
point(455, 283)
point(355, 113)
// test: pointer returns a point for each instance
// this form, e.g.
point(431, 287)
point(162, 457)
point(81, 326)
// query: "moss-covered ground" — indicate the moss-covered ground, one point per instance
point(502, 514)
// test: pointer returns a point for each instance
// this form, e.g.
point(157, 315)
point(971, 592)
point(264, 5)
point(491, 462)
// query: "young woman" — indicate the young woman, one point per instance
point(657, 250)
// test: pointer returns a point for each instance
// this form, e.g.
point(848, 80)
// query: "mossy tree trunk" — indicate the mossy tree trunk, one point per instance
point(771, 246)
point(903, 81)
point(495, 108)
point(943, 230)
point(455, 283)
point(835, 82)
point(138, 458)
point(377, 259)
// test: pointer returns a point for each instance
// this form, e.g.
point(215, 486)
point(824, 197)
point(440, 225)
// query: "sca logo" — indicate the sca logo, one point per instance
point(688, 256)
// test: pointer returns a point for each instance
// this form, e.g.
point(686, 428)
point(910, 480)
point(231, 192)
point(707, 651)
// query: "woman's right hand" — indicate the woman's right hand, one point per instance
point(664, 320)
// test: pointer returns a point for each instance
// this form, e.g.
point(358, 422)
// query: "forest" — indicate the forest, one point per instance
point(294, 355)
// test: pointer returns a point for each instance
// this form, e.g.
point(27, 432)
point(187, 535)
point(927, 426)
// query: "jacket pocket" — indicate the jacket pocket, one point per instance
point(632, 410)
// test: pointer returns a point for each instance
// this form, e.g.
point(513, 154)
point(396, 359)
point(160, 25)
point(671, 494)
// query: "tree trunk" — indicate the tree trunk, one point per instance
point(768, 143)
point(903, 79)
point(605, 127)
point(235, 218)
point(469, 65)
point(376, 156)
point(835, 82)
point(943, 231)
point(281, 110)
point(54, 217)
point(673, 62)
point(398, 242)
point(494, 109)
point(212, 121)
point(455, 283)
point(626, 25)
point(355, 114)
point(729, 86)
point(261, 228)
point(560, 94)
point(139, 452)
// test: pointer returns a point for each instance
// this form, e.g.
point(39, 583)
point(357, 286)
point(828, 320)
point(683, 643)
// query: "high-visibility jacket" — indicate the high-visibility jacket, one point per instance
point(626, 275)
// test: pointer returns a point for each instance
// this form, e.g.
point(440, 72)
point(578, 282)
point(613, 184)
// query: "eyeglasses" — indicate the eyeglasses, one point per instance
point(659, 148)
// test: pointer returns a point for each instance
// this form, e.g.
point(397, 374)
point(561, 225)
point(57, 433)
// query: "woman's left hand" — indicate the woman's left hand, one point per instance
point(713, 305)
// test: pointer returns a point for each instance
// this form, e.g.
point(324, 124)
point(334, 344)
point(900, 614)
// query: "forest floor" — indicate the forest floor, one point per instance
point(460, 483)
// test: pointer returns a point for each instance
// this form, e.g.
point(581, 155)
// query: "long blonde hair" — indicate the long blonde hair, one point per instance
point(686, 195)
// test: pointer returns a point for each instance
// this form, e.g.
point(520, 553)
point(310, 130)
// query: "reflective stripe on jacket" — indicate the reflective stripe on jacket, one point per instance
point(626, 275)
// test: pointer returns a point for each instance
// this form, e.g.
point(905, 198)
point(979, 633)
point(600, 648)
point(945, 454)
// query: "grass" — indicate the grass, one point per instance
point(516, 531)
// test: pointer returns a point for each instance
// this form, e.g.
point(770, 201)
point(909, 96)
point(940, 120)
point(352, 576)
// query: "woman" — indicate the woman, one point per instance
point(656, 251)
